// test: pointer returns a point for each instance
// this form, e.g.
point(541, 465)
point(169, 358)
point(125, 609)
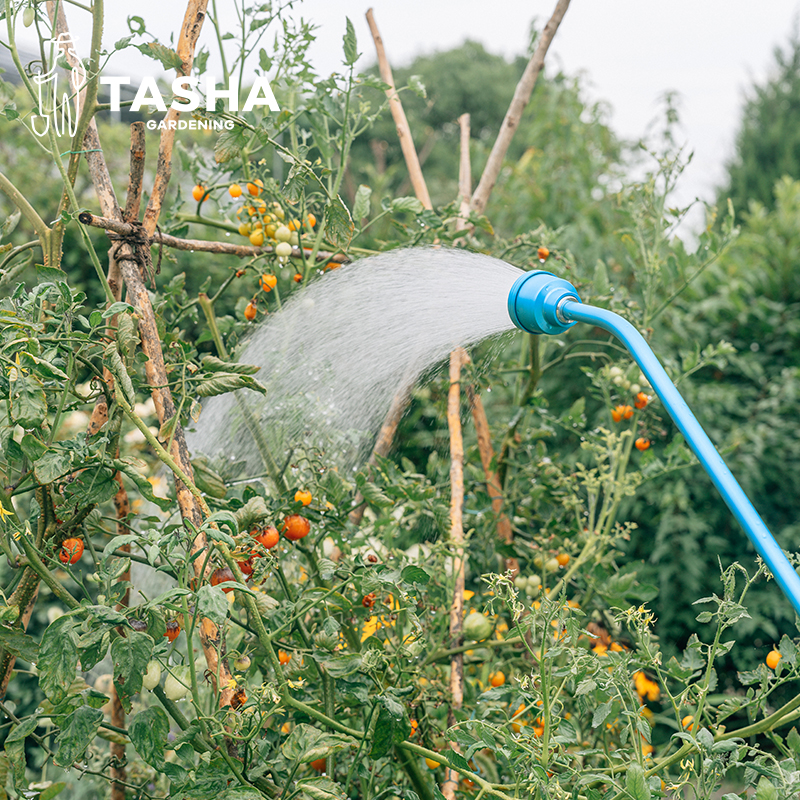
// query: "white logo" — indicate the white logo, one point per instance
point(185, 97)
point(49, 105)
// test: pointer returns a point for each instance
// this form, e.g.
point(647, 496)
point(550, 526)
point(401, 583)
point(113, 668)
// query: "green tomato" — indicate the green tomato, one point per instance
point(242, 663)
point(28, 16)
point(283, 234)
point(177, 684)
point(152, 677)
point(477, 627)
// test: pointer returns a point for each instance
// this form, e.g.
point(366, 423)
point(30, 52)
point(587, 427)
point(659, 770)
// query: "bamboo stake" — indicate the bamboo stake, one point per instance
point(190, 31)
point(399, 116)
point(492, 482)
point(464, 174)
point(458, 358)
point(522, 95)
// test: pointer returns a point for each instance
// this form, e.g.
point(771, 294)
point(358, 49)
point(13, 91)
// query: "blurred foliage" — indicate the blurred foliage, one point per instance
point(768, 141)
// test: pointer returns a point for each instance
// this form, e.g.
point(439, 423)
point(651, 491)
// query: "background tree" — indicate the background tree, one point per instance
point(768, 142)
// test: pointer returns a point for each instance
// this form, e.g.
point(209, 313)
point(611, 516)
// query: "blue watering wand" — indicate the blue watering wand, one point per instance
point(540, 302)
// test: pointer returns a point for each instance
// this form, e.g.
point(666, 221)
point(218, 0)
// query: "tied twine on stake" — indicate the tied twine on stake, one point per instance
point(139, 242)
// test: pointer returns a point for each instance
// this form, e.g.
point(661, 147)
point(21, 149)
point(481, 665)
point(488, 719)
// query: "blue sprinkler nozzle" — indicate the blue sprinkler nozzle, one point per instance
point(540, 302)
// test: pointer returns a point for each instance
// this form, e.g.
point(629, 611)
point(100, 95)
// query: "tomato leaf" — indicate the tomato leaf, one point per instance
point(212, 603)
point(58, 659)
point(130, 655)
point(20, 643)
point(77, 733)
point(636, 783)
point(361, 205)
point(338, 224)
point(306, 743)
point(169, 58)
point(148, 731)
point(351, 53)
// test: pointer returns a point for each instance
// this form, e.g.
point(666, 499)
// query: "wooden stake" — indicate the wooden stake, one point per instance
point(458, 358)
point(464, 174)
point(522, 94)
point(399, 116)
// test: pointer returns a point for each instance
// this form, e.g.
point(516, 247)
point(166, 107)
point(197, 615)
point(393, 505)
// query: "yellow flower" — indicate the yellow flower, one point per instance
point(4, 512)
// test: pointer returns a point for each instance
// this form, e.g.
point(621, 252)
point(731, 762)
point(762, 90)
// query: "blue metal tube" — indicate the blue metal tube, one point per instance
point(570, 310)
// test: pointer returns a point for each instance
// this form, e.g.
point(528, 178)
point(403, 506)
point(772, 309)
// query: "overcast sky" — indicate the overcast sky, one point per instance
point(631, 52)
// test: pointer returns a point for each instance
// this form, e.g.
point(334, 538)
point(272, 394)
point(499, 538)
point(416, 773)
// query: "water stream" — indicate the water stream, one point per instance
point(340, 350)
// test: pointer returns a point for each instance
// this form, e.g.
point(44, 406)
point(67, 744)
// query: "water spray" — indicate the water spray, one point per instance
point(542, 303)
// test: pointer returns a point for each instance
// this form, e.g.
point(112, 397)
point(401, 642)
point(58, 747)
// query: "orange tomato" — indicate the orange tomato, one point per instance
point(250, 312)
point(302, 496)
point(268, 536)
point(773, 658)
point(256, 187)
point(642, 443)
point(173, 630)
point(296, 527)
point(234, 190)
point(199, 192)
point(223, 575)
point(641, 400)
point(497, 678)
point(71, 551)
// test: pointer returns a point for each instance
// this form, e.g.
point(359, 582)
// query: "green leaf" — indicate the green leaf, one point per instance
point(33, 447)
point(307, 743)
point(343, 665)
point(601, 713)
point(58, 659)
point(52, 465)
point(19, 643)
point(214, 364)
point(229, 144)
point(412, 574)
point(21, 732)
point(148, 731)
point(338, 223)
point(371, 493)
point(169, 58)
point(53, 790)
point(361, 205)
point(126, 467)
point(15, 752)
point(636, 783)
point(27, 399)
point(407, 204)
point(224, 382)
point(9, 223)
point(240, 793)
point(766, 790)
point(130, 655)
point(212, 603)
point(321, 789)
point(350, 45)
point(77, 733)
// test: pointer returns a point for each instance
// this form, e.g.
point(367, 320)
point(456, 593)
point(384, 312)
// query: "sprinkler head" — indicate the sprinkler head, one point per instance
point(534, 301)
